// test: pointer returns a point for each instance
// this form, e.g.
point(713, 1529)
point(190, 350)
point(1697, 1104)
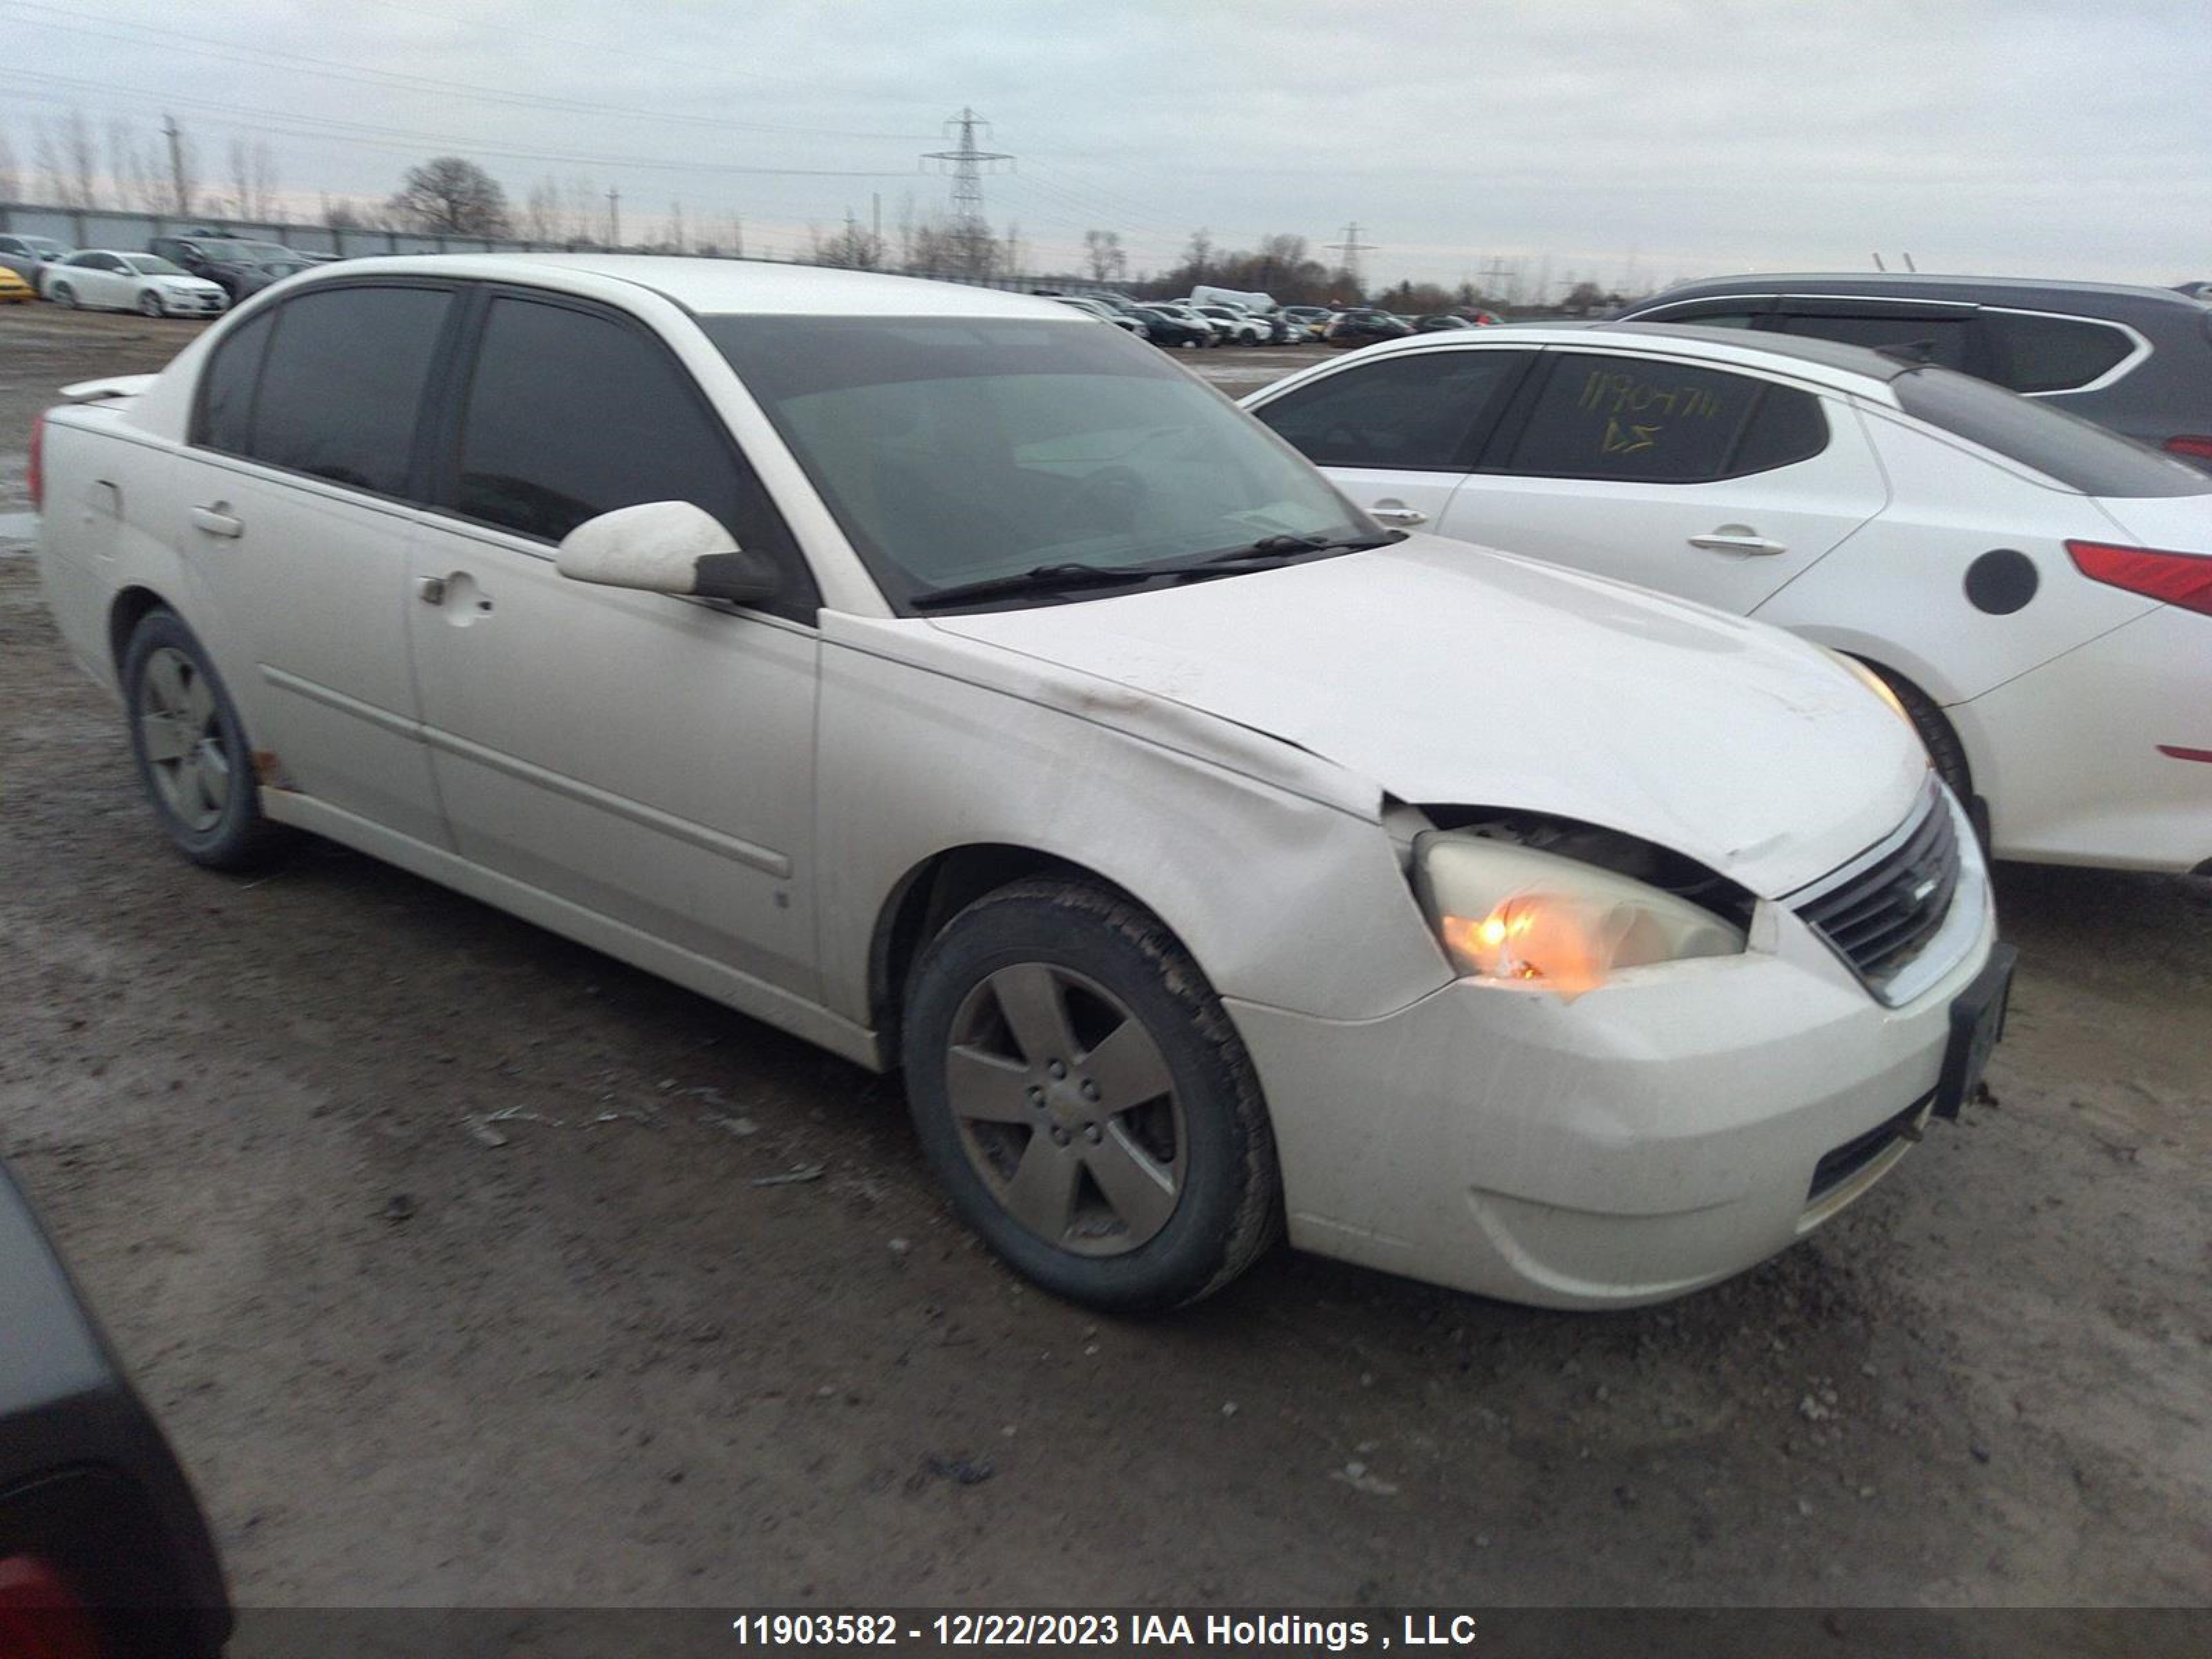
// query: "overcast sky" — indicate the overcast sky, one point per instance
point(1644, 138)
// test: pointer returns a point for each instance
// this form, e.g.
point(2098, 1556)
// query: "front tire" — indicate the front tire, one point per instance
point(1085, 1099)
point(193, 758)
point(149, 304)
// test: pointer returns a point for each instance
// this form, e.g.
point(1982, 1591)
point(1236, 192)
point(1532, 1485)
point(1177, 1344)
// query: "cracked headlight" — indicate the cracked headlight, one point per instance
point(1511, 913)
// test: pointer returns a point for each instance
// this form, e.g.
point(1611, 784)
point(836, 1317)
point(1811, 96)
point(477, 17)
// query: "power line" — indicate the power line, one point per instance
point(401, 138)
point(176, 40)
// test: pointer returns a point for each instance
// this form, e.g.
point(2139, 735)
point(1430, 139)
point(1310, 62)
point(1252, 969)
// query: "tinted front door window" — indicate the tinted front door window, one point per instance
point(572, 415)
point(1427, 412)
point(343, 382)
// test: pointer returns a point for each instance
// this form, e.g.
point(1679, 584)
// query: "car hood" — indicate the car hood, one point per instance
point(1449, 675)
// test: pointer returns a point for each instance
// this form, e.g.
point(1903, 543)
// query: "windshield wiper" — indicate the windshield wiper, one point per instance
point(1270, 551)
point(1040, 579)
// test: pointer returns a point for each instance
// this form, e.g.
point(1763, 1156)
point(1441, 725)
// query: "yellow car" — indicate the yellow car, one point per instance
point(14, 290)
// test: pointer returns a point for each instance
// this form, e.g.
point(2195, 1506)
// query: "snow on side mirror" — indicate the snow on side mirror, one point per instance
point(664, 547)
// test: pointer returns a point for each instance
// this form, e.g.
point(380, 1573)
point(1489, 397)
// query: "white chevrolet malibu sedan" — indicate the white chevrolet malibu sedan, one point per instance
point(933, 673)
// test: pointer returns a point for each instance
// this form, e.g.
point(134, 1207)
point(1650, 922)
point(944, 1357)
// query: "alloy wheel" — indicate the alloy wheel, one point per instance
point(1066, 1109)
point(181, 733)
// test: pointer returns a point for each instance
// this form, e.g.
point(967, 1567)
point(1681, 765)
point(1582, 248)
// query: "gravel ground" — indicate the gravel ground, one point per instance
point(438, 1243)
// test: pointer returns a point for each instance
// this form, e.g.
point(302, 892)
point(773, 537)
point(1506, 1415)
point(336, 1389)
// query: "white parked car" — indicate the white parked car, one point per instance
point(1238, 327)
point(100, 279)
point(2036, 590)
point(968, 689)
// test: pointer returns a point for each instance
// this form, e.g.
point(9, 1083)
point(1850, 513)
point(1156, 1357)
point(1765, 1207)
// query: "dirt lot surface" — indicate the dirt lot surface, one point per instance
point(437, 1243)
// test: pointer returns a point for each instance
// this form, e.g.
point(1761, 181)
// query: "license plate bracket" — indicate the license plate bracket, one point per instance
point(1978, 1020)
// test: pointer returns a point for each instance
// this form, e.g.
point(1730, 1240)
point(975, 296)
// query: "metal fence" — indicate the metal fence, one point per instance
point(126, 232)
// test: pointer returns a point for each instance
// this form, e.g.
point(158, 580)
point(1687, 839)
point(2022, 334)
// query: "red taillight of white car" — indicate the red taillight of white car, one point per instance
point(2182, 579)
point(40, 1617)
point(37, 475)
point(2191, 448)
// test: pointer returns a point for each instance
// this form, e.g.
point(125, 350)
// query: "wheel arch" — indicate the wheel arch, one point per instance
point(130, 606)
point(937, 889)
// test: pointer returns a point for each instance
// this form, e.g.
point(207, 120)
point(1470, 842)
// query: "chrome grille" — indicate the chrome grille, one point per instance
point(1880, 914)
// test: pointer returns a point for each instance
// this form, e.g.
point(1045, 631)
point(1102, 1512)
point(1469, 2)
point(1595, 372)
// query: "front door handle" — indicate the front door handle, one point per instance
point(431, 590)
point(1397, 513)
point(1733, 539)
point(214, 519)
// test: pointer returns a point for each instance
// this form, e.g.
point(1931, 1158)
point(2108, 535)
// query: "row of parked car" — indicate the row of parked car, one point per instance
point(1199, 321)
point(199, 274)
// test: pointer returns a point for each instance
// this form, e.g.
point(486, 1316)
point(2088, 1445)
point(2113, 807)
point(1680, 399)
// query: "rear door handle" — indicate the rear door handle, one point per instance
point(216, 521)
point(1396, 512)
point(1730, 541)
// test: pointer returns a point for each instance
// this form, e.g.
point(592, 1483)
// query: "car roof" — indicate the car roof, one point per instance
point(708, 286)
point(1921, 285)
point(1841, 367)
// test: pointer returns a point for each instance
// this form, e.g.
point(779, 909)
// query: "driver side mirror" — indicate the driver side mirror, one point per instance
point(666, 547)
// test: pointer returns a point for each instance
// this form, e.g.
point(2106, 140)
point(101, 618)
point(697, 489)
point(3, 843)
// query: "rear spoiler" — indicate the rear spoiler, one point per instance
point(118, 386)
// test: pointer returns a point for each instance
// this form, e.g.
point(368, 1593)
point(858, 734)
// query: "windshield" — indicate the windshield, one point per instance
point(2063, 447)
point(151, 264)
point(953, 450)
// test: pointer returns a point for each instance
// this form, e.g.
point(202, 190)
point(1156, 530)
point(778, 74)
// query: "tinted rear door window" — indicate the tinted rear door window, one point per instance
point(1943, 340)
point(1427, 411)
point(343, 382)
point(2050, 354)
point(1642, 419)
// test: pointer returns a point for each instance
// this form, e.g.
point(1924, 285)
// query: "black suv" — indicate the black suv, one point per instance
point(2137, 360)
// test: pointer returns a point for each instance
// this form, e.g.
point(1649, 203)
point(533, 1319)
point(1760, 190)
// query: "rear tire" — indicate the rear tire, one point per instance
point(149, 304)
point(1085, 1099)
point(191, 747)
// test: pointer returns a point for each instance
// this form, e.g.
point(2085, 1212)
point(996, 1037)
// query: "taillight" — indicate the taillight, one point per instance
point(40, 1617)
point(2191, 448)
point(2182, 579)
point(38, 473)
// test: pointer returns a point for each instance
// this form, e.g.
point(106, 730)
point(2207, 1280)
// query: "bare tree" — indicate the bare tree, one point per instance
point(1198, 257)
point(68, 160)
point(855, 248)
point(736, 237)
point(452, 195)
point(676, 226)
point(1102, 248)
point(253, 178)
point(541, 211)
point(11, 177)
point(584, 208)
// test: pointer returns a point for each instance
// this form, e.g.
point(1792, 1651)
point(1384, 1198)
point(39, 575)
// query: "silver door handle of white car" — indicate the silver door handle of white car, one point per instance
point(213, 519)
point(1392, 514)
point(1721, 543)
point(431, 590)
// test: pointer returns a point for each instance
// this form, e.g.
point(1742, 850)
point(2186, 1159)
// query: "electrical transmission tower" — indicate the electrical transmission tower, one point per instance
point(1351, 247)
point(967, 163)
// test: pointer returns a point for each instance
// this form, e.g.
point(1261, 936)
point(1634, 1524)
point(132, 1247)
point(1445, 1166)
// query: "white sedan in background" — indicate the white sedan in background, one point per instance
point(2036, 591)
point(101, 279)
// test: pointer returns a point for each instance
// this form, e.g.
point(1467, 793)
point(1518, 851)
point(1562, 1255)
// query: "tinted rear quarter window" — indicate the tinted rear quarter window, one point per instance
point(1420, 411)
point(2050, 354)
point(343, 384)
point(1641, 419)
point(2063, 448)
point(225, 421)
